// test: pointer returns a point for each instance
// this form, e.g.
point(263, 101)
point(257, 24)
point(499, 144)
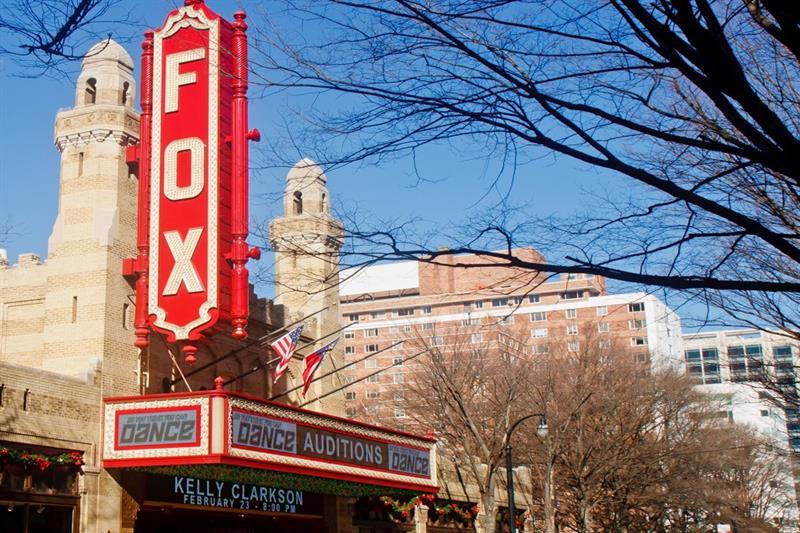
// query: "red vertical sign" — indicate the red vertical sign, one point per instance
point(193, 177)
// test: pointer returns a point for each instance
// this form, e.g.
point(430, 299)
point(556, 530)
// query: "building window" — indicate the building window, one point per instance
point(124, 94)
point(373, 394)
point(602, 327)
point(636, 307)
point(539, 316)
point(399, 412)
point(350, 334)
point(398, 378)
point(353, 317)
point(298, 203)
point(539, 349)
point(371, 348)
point(571, 313)
point(467, 307)
point(427, 326)
point(408, 328)
point(478, 304)
point(499, 302)
point(426, 310)
point(571, 295)
point(349, 350)
point(90, 95)
point(349, 395)
point(398, 345)
point(506, 320)
point(349, 379)
point(638, 341)
point(74, 309)
point(80, 163)
point(782, 353)
point(350, 412)
point(375, 315)
point(126, 316)
point(470, 321)
point(437, 341)
point(371, 363)
point(373, 410)
point(405, 312)
point(572, 346)
point(604, 344)
point(518, 300)
point(399, 395)
point(602, 310)
point(637, 324)
point(572, 329)
point(539, 332)
point(477, 338)
point(764, 412)
point(533, 298)
point(746, 362)
point(372, 332)
point(371, 379)
point(397, 361)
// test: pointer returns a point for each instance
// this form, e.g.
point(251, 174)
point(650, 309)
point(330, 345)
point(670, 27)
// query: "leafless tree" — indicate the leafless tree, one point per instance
point(645, 451)
point(470, 393)
point(694, 102)
point(43, 34)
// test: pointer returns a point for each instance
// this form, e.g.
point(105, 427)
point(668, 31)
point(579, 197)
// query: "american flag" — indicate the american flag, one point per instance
point(313, 360)
point(285, 347)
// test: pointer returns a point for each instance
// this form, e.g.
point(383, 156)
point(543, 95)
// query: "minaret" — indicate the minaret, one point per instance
point(306, 240)
point(88, 305)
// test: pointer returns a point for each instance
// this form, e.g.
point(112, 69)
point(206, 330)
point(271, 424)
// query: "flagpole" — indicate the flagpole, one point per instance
point(259, 341)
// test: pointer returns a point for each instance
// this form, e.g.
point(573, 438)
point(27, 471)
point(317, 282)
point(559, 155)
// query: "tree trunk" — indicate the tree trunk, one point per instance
point(487, 513)
point(548, 504)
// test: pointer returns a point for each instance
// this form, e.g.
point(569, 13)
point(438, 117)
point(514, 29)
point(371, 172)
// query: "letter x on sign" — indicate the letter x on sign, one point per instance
point(183, 271)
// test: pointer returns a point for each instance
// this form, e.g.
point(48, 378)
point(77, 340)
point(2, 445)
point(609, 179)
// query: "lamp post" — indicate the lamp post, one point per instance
point(542, 432)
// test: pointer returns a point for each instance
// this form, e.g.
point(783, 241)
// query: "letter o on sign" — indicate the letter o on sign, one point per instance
point(197, 174)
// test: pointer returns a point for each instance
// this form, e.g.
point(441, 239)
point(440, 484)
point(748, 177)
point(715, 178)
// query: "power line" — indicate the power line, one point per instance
point(275, 359)
point(334, 391)
point(373, 354)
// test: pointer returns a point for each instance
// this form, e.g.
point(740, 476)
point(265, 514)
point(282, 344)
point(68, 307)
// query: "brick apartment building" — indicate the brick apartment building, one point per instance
point(387, 304)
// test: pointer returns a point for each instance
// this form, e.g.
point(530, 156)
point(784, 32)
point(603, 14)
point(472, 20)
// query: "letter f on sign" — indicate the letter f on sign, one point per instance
point(175, 79)
point(183, 271)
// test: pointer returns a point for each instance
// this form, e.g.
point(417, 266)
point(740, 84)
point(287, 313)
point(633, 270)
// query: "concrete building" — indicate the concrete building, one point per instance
point(387, 304)
point(732, 362)
point(729, 364)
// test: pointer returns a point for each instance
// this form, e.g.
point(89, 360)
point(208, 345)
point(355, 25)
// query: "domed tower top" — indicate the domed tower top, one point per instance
point(106, 76)
point(306, 190)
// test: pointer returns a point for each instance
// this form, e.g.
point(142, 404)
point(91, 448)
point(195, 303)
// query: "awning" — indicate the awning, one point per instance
point(235, 437)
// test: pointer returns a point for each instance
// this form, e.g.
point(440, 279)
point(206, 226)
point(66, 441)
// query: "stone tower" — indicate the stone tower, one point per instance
point(87, 305)
point(306, 240)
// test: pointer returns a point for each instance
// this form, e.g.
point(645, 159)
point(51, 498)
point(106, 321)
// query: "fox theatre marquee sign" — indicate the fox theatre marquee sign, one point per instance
point(190, 271)
point(228, 429)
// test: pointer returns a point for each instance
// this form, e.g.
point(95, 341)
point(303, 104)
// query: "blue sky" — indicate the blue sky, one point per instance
point(455, 187)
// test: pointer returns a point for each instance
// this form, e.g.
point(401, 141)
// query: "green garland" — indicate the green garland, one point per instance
point(458, 512)
point(40, 461)
point(254, 476)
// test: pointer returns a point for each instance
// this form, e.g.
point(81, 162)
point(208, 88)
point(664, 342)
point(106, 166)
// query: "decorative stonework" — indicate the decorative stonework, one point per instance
point(85, 137)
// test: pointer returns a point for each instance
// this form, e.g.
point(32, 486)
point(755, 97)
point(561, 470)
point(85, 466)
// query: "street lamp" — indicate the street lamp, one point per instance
point(542, 432)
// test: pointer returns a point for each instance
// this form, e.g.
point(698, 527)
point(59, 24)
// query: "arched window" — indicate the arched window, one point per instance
point(91, 91)
point(323, 204)
point(124, 96)
point(298, 203)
